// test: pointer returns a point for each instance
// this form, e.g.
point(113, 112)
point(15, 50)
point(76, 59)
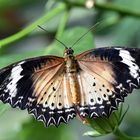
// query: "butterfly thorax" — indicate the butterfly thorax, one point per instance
point(71, 68)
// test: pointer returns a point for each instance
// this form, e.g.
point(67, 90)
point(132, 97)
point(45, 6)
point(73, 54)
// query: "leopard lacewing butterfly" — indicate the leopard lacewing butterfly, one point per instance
point(55, 89)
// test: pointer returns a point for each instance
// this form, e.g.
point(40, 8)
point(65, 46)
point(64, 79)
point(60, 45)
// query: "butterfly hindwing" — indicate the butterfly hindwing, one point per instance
point(97, 97)
point(107, 76)
point(54, 102)
point(38, 85)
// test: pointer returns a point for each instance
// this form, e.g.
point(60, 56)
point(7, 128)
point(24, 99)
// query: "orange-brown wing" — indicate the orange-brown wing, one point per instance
point(40, 86)
point(106, 76)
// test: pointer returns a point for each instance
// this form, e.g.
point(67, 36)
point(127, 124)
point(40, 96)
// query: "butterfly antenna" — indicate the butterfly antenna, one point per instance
point(53, 37)
point(85, 33)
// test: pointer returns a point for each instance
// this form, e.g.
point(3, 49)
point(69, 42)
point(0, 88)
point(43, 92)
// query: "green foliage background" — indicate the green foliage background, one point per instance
point(67, 20)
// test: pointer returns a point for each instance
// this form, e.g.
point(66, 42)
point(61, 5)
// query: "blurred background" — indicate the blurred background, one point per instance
point(20, 38)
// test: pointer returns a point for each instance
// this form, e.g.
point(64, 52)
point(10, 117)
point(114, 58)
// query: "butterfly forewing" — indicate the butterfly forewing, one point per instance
point(41, 86)
point(106, 76)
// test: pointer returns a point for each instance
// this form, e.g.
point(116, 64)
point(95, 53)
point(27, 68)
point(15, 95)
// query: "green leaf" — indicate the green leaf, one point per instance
point(69, 37)
point(122, 113)
point(129, 4)
point(35, 130)
point(93, 133)
point(3, 108)
point(101, 125)
point(126, 32)
point(106, 125)
point(57, 49)
point(4, 59)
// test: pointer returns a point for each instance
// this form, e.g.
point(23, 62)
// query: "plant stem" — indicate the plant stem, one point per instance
point(108, 7)
point(121, 10)
point(122, 136)
point(31, 27)
point(62, 24)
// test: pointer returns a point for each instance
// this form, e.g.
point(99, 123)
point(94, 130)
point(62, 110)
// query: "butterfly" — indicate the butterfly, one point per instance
point(56, 89)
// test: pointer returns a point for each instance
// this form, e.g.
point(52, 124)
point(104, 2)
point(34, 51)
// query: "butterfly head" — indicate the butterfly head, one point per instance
point(68, 52)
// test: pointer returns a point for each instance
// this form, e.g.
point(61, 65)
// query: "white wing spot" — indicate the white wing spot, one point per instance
point(129, 61)
point(15, 77)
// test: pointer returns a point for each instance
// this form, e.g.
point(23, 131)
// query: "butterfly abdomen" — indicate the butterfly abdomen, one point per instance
point(75, 89)
point(71, 71)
